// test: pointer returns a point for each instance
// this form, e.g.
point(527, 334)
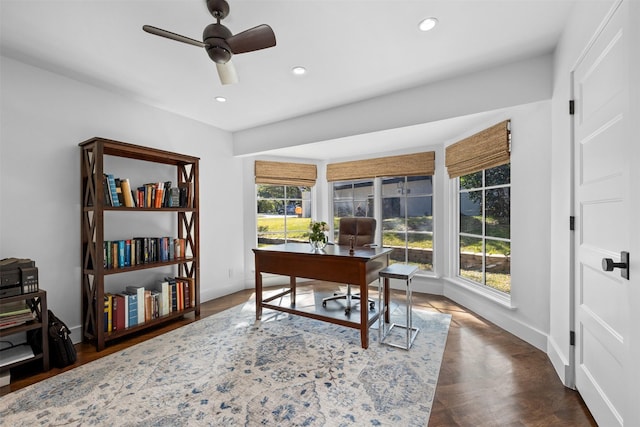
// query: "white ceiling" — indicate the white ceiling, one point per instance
point(353, 49)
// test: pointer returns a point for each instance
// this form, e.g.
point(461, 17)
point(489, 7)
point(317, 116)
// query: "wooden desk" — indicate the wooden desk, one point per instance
point(333, 264)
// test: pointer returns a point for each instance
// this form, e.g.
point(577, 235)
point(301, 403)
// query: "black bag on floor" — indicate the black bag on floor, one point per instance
point(61, 350)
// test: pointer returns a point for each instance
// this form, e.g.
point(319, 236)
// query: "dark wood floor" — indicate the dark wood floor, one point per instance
point(488, 376)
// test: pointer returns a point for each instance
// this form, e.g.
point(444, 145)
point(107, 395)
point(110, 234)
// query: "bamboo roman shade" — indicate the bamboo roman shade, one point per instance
point(404, 165)
point(486, 149)
point(282, 173)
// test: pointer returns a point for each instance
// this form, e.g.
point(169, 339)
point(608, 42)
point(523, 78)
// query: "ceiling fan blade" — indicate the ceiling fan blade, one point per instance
point(256, 38)
point(227, 73)
point(173, 36)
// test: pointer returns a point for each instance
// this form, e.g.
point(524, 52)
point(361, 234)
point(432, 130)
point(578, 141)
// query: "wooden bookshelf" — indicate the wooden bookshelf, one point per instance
point(93, 152)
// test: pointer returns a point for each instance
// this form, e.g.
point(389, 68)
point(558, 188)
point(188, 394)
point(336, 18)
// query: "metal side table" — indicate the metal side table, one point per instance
point(402, 272)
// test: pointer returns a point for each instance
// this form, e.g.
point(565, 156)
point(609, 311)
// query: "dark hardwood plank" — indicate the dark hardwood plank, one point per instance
point(488, 376)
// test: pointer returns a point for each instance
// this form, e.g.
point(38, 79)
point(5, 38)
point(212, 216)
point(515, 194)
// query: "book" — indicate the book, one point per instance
point(119, 191)
point(173, 293)
point(159, 196)
point(189, 291)
point(162, 287)
point(155, 303)
point(139, 291)
point(132, 298)
point(148, 307)
point(108, 312)
point(106, 190)
point(174, 197)
point(127, 253)
point(121, 253)
point(112, 189)
point(123, 298)
point(166, 195)
point(119, 312)
point(127, 195)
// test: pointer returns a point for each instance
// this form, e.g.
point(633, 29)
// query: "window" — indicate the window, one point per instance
point(284, 213)
point(407, 219)
point(352, 198)
point(484, 227)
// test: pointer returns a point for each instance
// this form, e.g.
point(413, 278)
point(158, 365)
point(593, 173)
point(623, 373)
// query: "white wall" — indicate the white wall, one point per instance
point(44, 117)
point(582, 25)
point(527, 314)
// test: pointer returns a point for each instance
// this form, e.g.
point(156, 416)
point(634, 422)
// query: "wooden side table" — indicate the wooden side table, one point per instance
point(402, 272)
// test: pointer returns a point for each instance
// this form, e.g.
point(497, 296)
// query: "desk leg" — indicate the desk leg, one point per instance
point(258, 295)
point(364, 316)
point(292, 286)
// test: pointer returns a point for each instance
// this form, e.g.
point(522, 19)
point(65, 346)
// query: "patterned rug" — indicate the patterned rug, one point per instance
point(225, 370)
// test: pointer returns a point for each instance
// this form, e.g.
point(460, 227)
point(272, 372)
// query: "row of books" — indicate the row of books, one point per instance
point(142, 250)
point(15, 314)
point(137, 304)
point(119, 192)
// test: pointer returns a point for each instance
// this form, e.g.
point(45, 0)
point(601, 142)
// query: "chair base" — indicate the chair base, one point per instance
point(348, 297)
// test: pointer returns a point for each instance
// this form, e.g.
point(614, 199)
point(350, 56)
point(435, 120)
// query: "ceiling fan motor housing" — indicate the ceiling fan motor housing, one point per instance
point(214, 36)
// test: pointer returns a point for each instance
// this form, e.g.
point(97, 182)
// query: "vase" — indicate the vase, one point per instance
point(318, 245)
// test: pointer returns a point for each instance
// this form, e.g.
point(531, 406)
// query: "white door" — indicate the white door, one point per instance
point(604, 196)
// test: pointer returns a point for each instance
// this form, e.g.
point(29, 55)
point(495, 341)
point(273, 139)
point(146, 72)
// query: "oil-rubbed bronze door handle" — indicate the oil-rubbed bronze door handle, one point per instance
point(608, 264)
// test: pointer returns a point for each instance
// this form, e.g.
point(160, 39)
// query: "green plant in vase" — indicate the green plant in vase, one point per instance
point(318, 234)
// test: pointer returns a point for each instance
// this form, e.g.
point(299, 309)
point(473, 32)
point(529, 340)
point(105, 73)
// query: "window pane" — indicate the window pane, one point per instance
point(420, 250)
point(499, 175)
point(420, 213)
point(343, 208)
point(363, 190)
point(270, 191)
point(392, 214)
point(269, 206)
point(473, 180)
point(471, 212)
point(270, 230)
point(419, 185)
point(498, 265)
point(471, 258)
point(498, 212)
point(392, 186)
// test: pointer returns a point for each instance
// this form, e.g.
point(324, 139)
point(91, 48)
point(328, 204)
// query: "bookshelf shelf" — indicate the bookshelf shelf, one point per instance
point(93, 152)
point(38, 327)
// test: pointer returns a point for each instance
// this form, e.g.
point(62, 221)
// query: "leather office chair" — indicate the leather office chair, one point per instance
point(362, 230)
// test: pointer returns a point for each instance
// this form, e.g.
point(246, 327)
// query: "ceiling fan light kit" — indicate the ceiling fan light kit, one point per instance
point(220, 43)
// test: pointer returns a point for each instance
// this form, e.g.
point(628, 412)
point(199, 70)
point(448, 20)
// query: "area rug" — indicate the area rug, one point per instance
point(226, 370)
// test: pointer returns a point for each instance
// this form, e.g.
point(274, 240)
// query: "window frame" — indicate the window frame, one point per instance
point(284, 200)
point(481, 288)
point(377, 214)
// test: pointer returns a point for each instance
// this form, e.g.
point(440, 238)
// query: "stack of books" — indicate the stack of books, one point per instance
point(15, 314)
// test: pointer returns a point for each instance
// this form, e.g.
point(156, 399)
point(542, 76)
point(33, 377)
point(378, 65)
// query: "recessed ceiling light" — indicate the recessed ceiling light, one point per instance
point(221, 99)
point(428, 24)
point(298, 71)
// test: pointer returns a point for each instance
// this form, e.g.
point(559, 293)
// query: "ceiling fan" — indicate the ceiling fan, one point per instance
point(220, 43)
